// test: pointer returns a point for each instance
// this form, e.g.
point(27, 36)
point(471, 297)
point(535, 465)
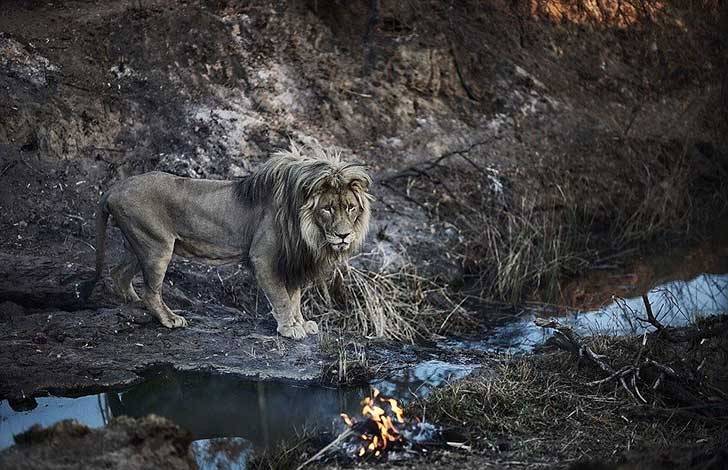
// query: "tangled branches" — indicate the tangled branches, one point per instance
point(661, 368)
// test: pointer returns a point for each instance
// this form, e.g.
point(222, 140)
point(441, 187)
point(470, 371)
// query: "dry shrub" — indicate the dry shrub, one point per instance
point(662, 200)
point(377, 303)
point(674, 187)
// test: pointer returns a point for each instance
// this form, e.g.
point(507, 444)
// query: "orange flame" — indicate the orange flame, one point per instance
point(378, 410)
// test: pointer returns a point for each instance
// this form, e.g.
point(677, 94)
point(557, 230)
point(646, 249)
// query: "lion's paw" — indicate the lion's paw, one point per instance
point(311, 327)
point(292, 331)
point(174, 321)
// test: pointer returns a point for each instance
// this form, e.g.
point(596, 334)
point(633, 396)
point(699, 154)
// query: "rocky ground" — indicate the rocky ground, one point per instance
point(593, 132)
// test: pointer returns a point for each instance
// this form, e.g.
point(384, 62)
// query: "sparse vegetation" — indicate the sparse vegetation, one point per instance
point(507, 244)
point(551, 408)
point(350, 364)
point(513, 243)
point(375, 302)
point(286, 455)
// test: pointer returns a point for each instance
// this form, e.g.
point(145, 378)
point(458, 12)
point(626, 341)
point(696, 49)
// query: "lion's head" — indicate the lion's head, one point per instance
point(321, 204)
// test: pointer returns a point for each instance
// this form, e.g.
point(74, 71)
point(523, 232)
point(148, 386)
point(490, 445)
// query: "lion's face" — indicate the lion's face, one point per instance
point(337, 214)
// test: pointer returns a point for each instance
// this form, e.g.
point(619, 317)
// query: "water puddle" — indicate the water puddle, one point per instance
point(421, 379)
point(227, 417)
point(674, 304)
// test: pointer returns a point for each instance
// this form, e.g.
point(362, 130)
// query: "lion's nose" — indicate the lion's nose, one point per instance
point(343, 235)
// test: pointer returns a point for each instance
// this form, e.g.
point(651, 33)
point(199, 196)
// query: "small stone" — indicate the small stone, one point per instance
point(40, 338)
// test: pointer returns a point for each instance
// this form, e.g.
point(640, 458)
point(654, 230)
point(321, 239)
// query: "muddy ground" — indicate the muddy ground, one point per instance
point(603, 130)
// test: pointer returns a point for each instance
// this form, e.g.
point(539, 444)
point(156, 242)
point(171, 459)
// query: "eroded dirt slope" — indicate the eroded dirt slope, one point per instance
point(611, 126)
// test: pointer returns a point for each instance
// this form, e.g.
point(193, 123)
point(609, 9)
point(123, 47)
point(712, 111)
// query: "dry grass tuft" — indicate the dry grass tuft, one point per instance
point(351, 363)
point(511, 246)
point(522, 250)
point(397, 304)
point(286, 455)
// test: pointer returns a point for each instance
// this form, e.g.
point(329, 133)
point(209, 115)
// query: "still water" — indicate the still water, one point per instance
point(227, 417)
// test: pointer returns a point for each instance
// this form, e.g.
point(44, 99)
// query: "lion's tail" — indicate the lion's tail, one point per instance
point(102, 218)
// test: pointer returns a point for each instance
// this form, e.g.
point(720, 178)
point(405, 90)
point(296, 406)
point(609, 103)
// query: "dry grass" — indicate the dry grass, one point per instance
point(350, 365)
point(661, 201)
point(540, 408)
point(510, 245)
point(286, 455)
point(523, 250)
point(377, 303)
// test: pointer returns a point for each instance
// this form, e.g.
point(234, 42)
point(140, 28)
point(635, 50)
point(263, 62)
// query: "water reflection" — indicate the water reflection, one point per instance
point(420, 380)
point(91, 410)
point(675, 303)
point(222, 453)
point(227, 416)
point(215, 406)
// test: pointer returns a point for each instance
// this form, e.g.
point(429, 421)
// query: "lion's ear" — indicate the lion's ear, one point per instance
point(359, 185)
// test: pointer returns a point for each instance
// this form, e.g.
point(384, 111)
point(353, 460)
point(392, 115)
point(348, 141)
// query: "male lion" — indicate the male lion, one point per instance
point(292, 219)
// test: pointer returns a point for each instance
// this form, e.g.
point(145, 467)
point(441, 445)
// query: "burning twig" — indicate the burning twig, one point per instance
point(377, 430)
point(381, 429)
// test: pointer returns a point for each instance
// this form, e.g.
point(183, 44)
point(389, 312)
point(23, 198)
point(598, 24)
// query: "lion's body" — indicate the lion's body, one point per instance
point(291, 220)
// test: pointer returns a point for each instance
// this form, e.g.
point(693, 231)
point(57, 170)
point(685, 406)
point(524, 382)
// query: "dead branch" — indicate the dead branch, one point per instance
point(643, 369)
point(652, 320)
point(322, 453)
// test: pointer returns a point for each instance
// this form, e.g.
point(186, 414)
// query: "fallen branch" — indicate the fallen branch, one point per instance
point(644, 372)
point(320, 454)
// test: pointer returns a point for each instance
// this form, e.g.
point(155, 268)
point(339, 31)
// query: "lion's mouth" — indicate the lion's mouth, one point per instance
point(340, 246)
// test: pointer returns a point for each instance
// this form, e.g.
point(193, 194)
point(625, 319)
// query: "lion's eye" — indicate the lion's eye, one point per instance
point(326, 210)
point(352, 208)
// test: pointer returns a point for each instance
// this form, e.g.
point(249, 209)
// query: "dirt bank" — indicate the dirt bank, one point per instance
point(150, 442)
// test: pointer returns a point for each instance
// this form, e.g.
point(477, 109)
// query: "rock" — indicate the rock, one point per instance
point(23, 404)
point(128, 443)
point(16, 60)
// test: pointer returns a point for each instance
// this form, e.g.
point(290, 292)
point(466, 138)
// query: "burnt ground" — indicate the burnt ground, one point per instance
point(470, 117)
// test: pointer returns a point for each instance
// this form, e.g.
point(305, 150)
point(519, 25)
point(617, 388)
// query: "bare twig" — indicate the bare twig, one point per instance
point(650, 316)
point(318, 455)
point(8, 167)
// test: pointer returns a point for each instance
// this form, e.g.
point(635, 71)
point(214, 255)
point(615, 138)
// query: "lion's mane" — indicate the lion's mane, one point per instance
point(292, 181)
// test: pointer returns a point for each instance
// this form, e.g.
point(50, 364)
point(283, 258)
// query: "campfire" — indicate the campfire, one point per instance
point(378, 428)
point(381, 432)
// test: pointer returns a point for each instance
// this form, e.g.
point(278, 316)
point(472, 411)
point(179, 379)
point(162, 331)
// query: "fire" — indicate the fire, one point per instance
point(377, 430)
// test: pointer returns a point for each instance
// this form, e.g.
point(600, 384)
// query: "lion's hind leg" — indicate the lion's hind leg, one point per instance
point(154, 268)
point(123, 274)
point(154, 254)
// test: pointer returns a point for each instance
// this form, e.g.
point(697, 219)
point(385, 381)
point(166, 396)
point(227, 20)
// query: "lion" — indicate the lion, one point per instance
point(291, 220)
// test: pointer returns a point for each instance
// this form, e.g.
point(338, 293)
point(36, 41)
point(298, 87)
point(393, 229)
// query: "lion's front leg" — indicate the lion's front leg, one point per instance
point(275, 290)
point(310, 326)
